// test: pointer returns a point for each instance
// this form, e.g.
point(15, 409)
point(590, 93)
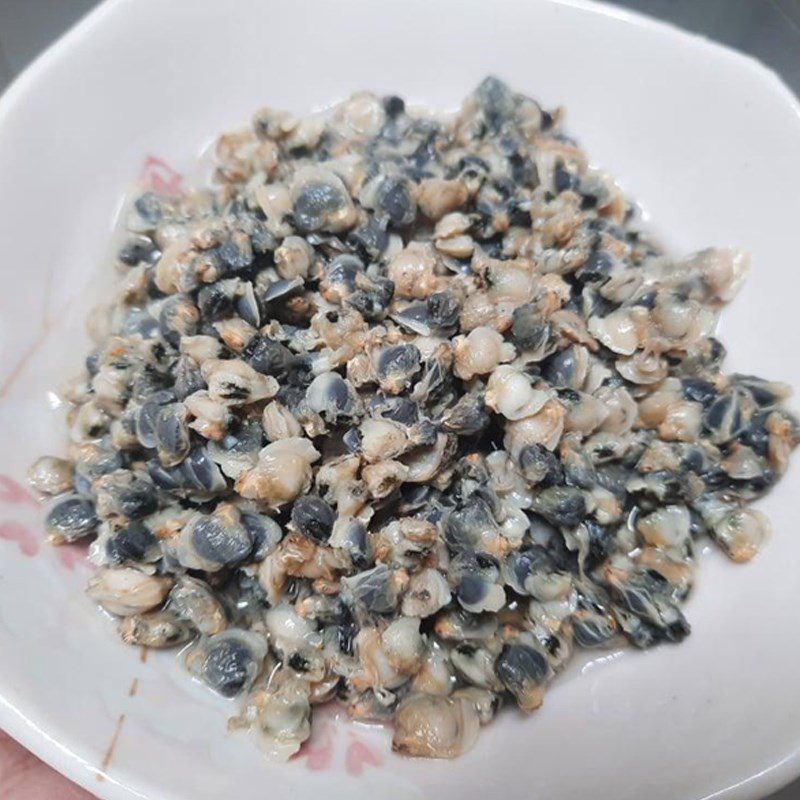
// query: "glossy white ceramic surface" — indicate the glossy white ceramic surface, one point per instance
point(707, 140)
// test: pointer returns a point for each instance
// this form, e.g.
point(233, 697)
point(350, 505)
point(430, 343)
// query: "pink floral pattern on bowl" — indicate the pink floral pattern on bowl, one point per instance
point(160, 177)
point(326, 750)
point(13, 495)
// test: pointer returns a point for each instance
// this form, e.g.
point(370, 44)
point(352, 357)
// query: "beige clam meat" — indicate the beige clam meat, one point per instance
point(290, 633)
point(158, 629)
point(383, 478)
point(544, 427)
point(723, 271)
point(512, 281)
point(235, 333)
point(50, 475)
point(293, 258)
point(279, 423)
point(617, 331)
point(621, 407)
point(275, 201)
point(585, 414)
point(234, 383)
point(125, 591)
point(435, 727)
point(510, 393)
point(452, 226)
point(643, 368)
point(382, 439)
point(742, 533)
point(438, 197)
point(279, 715)
point(427, 592)
point(436, 675)
point(404, 645)
point(340, 479)
point(282, 473)
point(424, 463)
point(378, 672)
point(413, 271)
point(667, 527)
point(479, 352)
point(210, 418)
point(363, 114)
point(456, 246)
point(200, 348)
point(682, 422)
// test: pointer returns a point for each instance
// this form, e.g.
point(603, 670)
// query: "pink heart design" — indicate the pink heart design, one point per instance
point(71, 554)
point(15, 494)
point(359, 754)
point(160, 176)
point(22, 535)
point(318, 751)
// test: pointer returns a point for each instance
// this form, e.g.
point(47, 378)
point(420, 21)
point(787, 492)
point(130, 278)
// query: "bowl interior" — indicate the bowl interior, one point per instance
point(704, 139)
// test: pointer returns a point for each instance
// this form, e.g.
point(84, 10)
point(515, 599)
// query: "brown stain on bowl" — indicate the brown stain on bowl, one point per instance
point(112, 746)
point(143, 654)
point(134, 688)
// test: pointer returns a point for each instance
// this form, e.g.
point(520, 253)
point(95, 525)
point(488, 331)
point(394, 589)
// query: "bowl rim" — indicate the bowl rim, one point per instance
point(13, 718)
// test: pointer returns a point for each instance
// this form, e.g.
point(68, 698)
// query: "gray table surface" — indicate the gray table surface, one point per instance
point(767, 29)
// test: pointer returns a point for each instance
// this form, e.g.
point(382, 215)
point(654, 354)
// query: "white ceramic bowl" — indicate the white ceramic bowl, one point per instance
point(706, 139)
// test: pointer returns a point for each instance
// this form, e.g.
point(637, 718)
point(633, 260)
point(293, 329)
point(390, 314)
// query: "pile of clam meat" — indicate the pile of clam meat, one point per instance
point(401, 413)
